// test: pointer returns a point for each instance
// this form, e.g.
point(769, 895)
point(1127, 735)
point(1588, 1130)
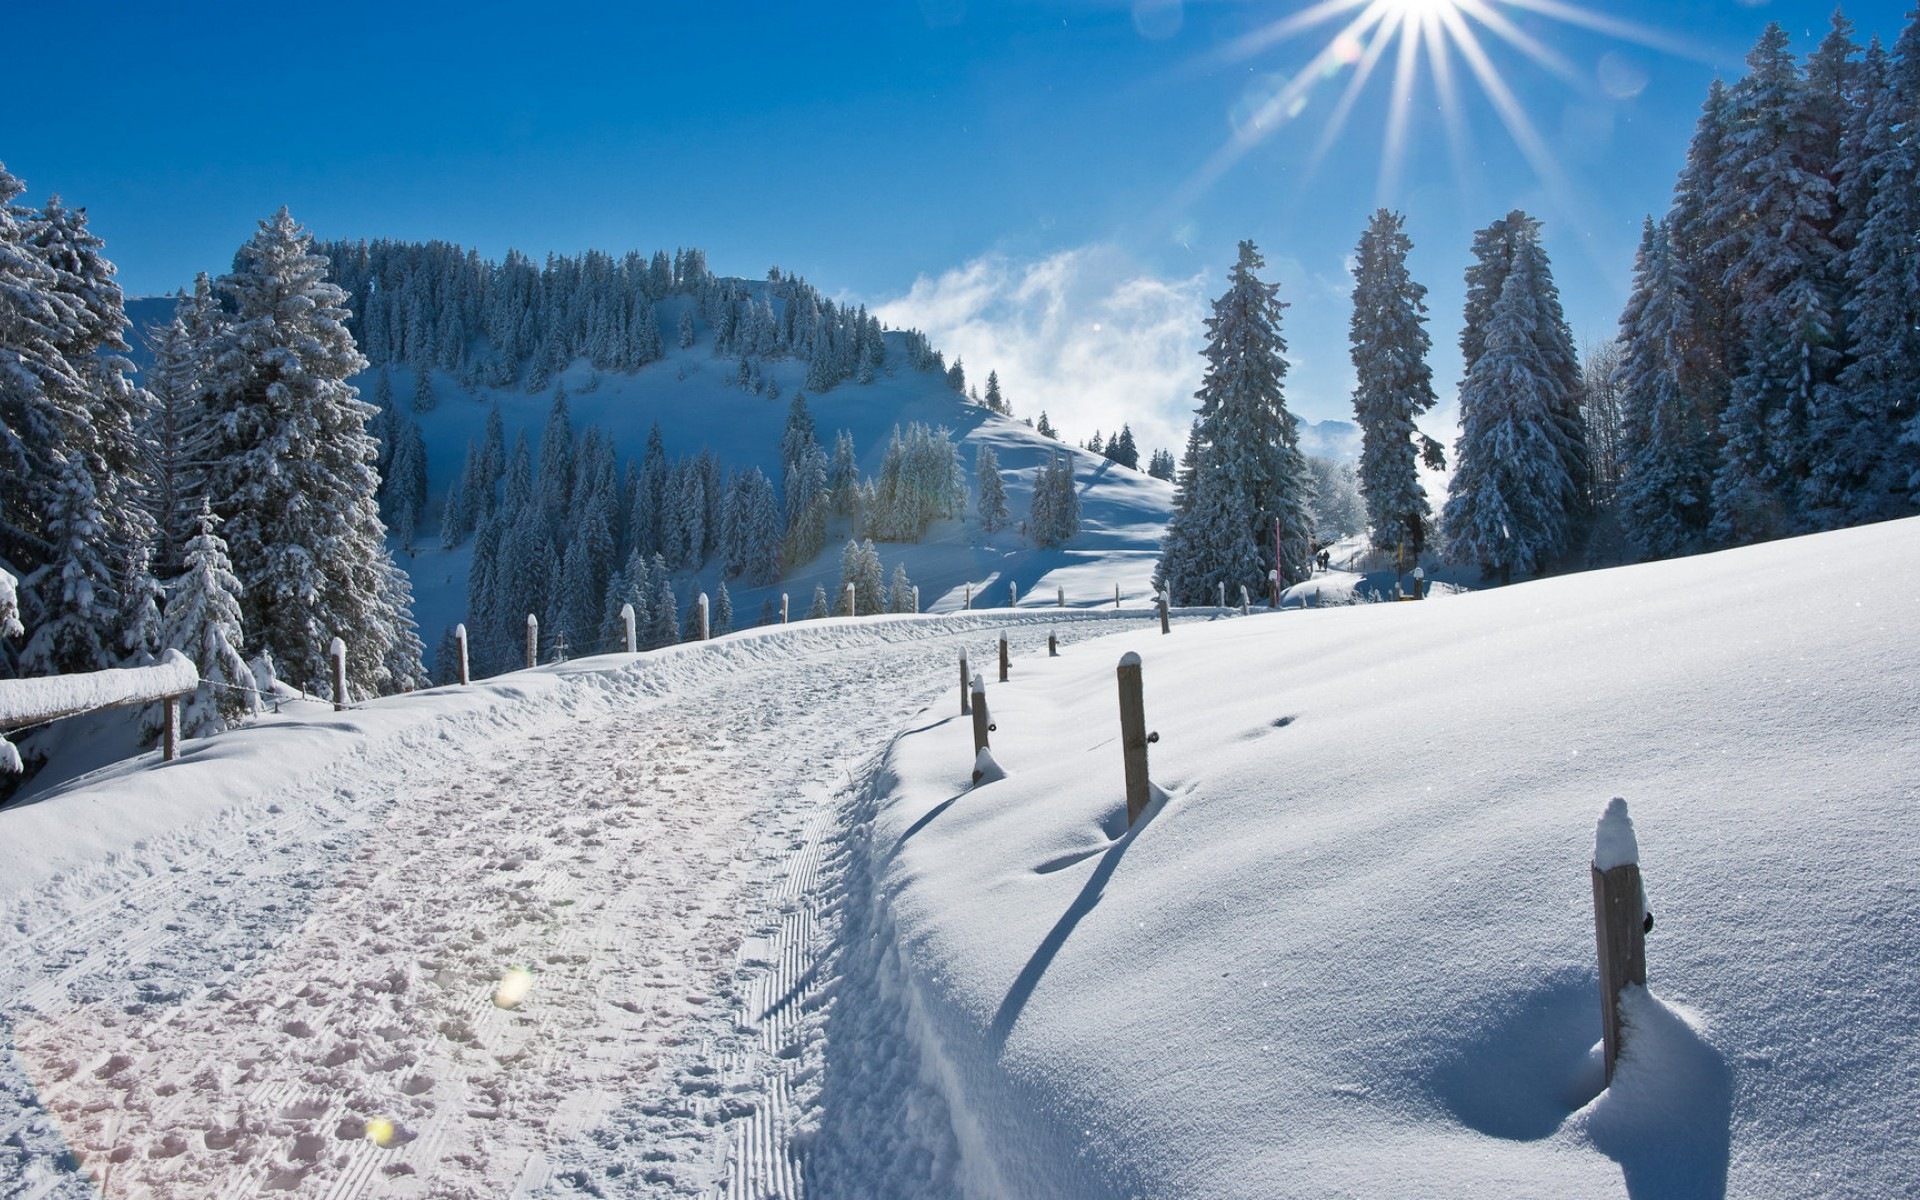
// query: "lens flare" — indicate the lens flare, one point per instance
point(513, 988)
point(381, 1132)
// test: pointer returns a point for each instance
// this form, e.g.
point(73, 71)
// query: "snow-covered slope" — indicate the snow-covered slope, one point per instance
point(1348, 952)
point(1351, 950)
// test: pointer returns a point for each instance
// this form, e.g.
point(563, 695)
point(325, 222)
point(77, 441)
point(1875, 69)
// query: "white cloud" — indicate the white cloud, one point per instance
point(1084, 334)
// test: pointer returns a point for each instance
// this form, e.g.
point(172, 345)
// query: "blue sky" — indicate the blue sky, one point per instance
point(1009, 175)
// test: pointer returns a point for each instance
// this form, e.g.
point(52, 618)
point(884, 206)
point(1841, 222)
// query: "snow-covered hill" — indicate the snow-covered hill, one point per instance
point(697, 402)
point(1349, 951)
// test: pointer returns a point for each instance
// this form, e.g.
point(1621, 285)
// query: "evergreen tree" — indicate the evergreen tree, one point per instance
point(843, 474)
point(900, 591)
point(1780, 258)
point(1394, 385)
point(1123, 450)
point(1868, 432)
point(1044, 428)
point(818, 608)
point(957, 377)
point(995, 402)
point(1497, 251)
point(1666, 457)
point(663, 608)
point(1160, 465)
point(992, 491)
point(1055, 515)
point(291, 470)
point(175, 434)
point(1507, 502)
point(1247, 474)
point(203, 622)
point(74, 617)
point(554, 483)
point(722, 622)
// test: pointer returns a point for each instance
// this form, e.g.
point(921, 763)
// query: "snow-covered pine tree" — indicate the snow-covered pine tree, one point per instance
point(203, 621)
point(1869, 432)
point(1507, 502)
point(1123, 450)
point(1666, 457)
point(405, 488)
point(996, 402)
point(1160, 465)
point(291, 471)
point(1394, 385)
point(1780, 261)
point(554, 483)
point(75, 601)
point(175, 434)
point(843, 473)
point(957, 376)
point(1045, 428)
point(818, 608)
point(1496, 250)
point(1246, 470)
point(900, 590)
point(992, 490)
point(663, 608)
point(1055, 514)
point(722, 618)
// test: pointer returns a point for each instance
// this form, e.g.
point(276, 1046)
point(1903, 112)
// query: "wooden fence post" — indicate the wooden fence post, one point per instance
point(1003, 658)
point(633, 634)
point(1223, 593)
point(981, 726)
point(1620, 920)
point(700, 618)
point(1116, 595)
point(1134, 738)
point(1053, 645)
point(460, 643)
point(1244, 607)
point(968, 602)
point(1165, 625)
point(783, 608)
point(170, 731)
point(338, 649)
point(966, 684)
point(849, 599)
point(533, 641)
point(1273, 589)
point(1419, 583)
point(916, 597)
point(1013, 594)
point(1060, 596)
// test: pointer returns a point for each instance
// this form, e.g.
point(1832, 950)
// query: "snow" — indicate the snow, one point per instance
point(1613, 841)
point(774, 938)
point(27, 701)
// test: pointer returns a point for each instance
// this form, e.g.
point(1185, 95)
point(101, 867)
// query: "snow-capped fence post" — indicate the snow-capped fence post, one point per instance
point(1419, 583)
point(170, 730)
point(1223, 593)
point(1244, 606)
point(967, 603)
point(981, 726)
point(627, 622)
point(966, 683)
point(1060, 597)
point(783, 608)
point(1053, 645)
point(1003, 658)
point(1165, 625)
point(338, 650)
point(460, 646)
point(1013, 594)
point(1134, 738)
point(700, 618)
point(533, 641)
point(916, 597)
point(849, 599)
point(1620, 919)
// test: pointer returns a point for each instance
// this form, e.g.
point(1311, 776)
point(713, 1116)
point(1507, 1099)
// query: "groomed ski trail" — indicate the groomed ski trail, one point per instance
point(667, 866)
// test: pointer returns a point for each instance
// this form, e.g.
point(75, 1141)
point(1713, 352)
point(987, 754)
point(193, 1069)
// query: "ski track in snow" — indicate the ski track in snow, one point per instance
point(671, 874)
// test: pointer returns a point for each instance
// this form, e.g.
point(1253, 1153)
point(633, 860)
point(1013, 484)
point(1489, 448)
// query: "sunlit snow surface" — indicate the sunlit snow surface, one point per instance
point(775, 940)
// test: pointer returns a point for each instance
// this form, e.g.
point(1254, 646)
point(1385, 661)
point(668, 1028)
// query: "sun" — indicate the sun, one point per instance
point(1439, 44)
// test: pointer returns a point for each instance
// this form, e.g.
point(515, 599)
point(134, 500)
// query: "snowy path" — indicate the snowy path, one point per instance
point(668, 873)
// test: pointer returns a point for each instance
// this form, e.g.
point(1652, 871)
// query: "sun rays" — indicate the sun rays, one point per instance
point(1416, 49)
